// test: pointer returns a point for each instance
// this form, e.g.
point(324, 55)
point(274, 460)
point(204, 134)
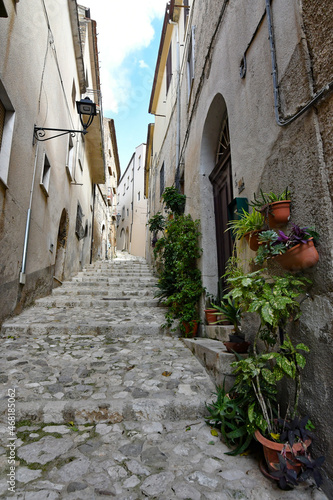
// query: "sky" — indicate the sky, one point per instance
point(128, 39)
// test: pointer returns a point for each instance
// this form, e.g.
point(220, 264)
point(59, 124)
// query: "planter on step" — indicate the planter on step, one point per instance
point(191, 328)
point(239, 347)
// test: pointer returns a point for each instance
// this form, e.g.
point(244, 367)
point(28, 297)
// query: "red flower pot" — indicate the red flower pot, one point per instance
point(191, 329)
point(301, 256)
point(240, 347)
point(211, 316)
point(272, 451)
point(252, 240)
point(277, 213)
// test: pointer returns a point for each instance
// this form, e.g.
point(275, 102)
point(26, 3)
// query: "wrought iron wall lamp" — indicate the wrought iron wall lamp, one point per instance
point(86, 109)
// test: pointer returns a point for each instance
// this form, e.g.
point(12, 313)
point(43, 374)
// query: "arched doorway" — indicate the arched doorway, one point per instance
point(61, 246)
point(216, 193)
point(221, 179)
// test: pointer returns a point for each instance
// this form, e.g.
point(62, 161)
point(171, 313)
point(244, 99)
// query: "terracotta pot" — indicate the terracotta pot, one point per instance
point(211, 316)
point(272, 451)
point(240, 347)
point(190, 329)
point(252, 240)
point(277, 213)
point(301, 256)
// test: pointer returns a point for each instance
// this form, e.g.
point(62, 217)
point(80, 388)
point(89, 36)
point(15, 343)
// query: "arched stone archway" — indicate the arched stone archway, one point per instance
point(61, 246)
point(216, 194)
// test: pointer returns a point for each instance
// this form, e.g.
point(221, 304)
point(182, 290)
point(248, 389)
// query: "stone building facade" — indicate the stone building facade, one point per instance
point(242, 100)
point(105, 208)
point(48, 61)
point(132, 206)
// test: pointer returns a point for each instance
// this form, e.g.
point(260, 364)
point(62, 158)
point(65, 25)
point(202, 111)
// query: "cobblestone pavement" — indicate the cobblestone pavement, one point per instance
point(109, 406)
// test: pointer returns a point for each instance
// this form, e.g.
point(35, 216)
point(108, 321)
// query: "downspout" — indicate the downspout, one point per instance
point(92, 224)
point(281, 121)
point(130, 245)
point(178, 105)
point(27, 225)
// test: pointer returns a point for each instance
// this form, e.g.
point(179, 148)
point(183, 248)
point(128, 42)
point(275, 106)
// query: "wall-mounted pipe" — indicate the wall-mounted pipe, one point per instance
point(319, 95)
point(27, 224)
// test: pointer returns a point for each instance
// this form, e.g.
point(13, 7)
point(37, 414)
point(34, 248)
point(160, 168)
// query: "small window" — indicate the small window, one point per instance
point(79, 229)
point(190, 63)
point(139, 196)
point(168, 69)
point(162, 180)
point(70, 158)
point(127, 212)
point(7, 119)
point(45, 180)
point(123, 213)
point(74, 94)
point(186, 12)
point(139, 162)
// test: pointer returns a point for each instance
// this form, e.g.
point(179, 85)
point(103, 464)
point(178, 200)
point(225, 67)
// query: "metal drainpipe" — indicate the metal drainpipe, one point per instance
point(27, 225)
point(178, 102)
point(281, 121)
point(92, 224)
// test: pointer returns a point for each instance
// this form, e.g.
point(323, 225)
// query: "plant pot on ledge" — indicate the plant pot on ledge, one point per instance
point(252, 239)
point(299, 257)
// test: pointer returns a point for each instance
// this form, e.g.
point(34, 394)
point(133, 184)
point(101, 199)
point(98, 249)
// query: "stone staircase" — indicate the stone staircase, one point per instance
point(94, 351)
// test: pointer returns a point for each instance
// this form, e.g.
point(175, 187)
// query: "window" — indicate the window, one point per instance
point(81, 148)
point(190, 63)
point(186, 13)
point(45, 180)
point(123, 213)
point(7, 118)
point(3, 12)
point(139, 162)
point(139, 196)
point(127, 212)
point(79, 229)
point(70, 158)
point(73, 94)
point(162, 180)
point(168, 69)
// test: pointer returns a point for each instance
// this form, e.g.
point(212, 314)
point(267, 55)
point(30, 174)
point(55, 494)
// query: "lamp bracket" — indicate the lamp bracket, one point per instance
point(39, 133)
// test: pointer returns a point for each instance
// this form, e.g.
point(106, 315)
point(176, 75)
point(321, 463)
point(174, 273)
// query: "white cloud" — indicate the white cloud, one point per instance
point(142, 64)
point(123, 27)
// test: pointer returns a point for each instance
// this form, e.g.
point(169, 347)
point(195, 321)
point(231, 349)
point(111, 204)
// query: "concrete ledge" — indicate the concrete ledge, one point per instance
point(213, 355)
point(218, 332)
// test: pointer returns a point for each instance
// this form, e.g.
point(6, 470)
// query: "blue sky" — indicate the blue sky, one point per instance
point(128, 39)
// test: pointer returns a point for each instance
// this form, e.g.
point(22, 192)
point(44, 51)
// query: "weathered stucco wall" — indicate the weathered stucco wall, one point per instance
point(263, 154)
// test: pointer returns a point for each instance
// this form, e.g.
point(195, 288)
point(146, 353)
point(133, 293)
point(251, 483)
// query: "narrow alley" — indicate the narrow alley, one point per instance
point(107, 405)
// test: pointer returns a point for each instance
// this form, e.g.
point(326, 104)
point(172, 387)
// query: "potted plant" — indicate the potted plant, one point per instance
point(274, 207)
point(294, 252)
point(210, 311)
point(274, 359)
point(229, 311)
point(248, 225)
point(179, 283)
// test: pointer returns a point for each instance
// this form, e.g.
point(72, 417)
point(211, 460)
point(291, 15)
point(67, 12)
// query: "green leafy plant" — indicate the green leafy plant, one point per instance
point(179, 284)
point(247, 223)
point(227, 414)
point(264, 199)
point(156, 222)
point(174, 200)
point(230, 312)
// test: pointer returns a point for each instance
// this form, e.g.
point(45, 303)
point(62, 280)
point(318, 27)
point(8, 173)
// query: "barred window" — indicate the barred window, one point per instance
point(162, 180)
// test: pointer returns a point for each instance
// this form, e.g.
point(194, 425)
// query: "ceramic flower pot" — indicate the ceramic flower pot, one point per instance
point(191, 329)
point(239, 347)
point(211, 316)
point(252, 240)
point(299, 257)
point(273, 449)
point(277, 213)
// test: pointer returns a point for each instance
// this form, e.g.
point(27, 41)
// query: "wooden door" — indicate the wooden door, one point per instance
point(221, 179)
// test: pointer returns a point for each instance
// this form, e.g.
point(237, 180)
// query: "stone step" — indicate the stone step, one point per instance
point(218, 332)
point(142, 288)
point(213, 355)
point(112, 281)
point(110, 329)
point(62, 301)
